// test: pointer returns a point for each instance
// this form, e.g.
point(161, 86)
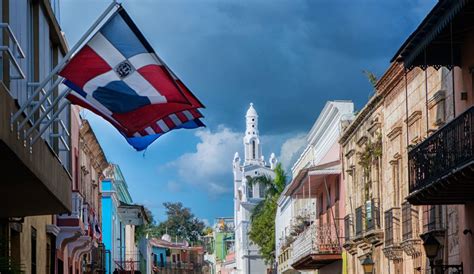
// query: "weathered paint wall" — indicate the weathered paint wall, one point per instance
point(39, 223)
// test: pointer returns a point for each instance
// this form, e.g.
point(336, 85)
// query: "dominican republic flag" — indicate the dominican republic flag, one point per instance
point(118, 75)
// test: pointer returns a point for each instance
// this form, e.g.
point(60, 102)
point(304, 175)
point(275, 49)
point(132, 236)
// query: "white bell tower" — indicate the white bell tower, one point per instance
point(253, 150)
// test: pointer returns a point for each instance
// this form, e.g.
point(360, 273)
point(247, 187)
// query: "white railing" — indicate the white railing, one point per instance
point(316, 239)
point(304, 243)
point(77, 208)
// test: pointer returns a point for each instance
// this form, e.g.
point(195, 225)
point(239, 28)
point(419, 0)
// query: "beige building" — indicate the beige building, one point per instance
point(391, 150)
point(361, 151)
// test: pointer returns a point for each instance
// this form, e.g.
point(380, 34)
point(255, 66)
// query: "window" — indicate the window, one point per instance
point(388, 228)
point(250, 191)
point(162, 261)
point(328, 200)
point(253, 149)
point(396, 183)
point(336, 186)
point(33, 250)
point(261, 190)
point(50, 254)
point(78, 170)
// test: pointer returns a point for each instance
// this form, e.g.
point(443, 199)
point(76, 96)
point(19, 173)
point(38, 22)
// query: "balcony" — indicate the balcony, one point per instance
point(367, 223)
point(434, 221)
point(392, 248)
point(78, 212)
point(317, 246)
point(411, 242)
point(34, 182)
point(441, 168)
point(178, 267)
point(349, 244)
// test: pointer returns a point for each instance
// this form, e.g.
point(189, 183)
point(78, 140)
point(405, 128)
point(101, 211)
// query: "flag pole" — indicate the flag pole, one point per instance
point(56, 114)
point(38, 104)
point(63, 62)
point(46, 113)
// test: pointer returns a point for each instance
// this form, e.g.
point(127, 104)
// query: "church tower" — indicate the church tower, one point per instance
point(247, 196)
point(253, 150)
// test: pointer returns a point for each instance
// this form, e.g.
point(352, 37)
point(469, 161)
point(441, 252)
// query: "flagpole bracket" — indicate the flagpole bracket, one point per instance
point(24, 139)
point(31, 145)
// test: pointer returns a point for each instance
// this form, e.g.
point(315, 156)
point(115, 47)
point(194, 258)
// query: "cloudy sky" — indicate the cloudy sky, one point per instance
point(287, 57)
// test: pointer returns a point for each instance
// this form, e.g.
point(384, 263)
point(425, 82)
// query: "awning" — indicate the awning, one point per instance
point(316, 173)
point(433, 36)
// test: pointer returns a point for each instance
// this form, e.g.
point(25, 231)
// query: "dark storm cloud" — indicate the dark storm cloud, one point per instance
point(288, 57)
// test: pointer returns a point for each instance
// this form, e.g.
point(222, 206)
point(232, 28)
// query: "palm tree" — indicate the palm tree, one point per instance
point(262, 230)
point(273, 186)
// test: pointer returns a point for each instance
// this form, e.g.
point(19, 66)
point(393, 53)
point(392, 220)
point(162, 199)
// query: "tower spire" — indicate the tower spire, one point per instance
point(253, 151)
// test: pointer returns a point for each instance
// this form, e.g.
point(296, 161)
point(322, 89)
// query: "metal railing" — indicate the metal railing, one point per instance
point(17, 51)
point(450, 147)
point(433, 218)
point(410, 219)
point(367, 217)
point(392, 226)
point(372, 214)
point(162, 266)
point(317, 239)
point(348, 227)
point(359, 221)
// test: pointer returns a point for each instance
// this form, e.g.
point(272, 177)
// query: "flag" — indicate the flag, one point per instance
point(188, 119)
point(118, 75)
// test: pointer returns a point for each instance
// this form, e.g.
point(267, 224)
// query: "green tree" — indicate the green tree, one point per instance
point(180, 223)
point(142, 230)
point(262, 230)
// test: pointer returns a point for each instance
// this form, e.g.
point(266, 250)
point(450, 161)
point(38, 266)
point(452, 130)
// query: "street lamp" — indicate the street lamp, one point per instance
point(368, 265)
point(431, 246)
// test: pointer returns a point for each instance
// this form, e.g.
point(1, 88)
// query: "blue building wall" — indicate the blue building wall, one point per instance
point(108, 211)
point(114, 190)
point(157, 259)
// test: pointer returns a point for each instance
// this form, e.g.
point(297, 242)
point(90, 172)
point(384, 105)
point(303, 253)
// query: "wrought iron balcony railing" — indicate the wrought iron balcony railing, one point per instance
point(348, 227)
point(359, 222)
point(372, 214)
point(410, 219)
point(392, 226)
point(449, 148)
point(367, 217)
point(433, 219)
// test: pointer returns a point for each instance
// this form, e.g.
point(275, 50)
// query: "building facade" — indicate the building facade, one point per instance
point(119, 219)
point(440, 165)
point(170, 256)
point(78, 238)
point(309, 240)
point(246, 197)
point(407, 155)
point(36, 177)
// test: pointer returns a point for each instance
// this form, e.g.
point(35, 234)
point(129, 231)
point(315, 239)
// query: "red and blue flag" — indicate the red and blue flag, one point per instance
point(118, 75)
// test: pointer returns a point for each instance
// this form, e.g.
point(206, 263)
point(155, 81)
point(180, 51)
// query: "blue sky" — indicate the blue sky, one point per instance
point(287, 57)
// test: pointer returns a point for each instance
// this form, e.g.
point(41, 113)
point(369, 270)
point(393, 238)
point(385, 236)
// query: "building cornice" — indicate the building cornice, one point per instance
point(364, 114)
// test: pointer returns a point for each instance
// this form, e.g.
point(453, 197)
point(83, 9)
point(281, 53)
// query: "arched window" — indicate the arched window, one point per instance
point(261, 190)
point(253, 149)
point(250, 191)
